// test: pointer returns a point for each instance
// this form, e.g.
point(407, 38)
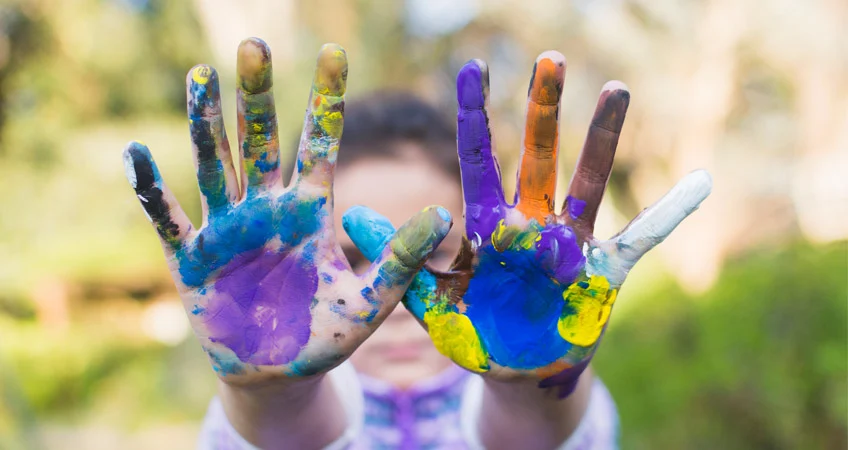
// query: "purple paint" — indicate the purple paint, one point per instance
point(566, 381)
point(575, 206)
point(260, 309)
point(560, 254)
point(484, 201)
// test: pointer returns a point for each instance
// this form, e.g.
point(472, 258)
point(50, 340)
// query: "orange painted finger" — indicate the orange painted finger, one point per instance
point(595, 164)
point(537, 171)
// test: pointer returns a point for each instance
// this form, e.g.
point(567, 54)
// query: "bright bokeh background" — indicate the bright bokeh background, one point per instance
point(731, 335)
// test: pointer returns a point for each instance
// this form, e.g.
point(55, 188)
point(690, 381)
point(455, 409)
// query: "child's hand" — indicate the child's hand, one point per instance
point(268, 290)
point(530, 294)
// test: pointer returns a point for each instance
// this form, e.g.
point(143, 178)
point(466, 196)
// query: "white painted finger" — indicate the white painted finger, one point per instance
point(615, 257)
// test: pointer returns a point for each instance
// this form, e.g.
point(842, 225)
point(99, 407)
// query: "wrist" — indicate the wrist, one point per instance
point(285, 414)
point(517, 413)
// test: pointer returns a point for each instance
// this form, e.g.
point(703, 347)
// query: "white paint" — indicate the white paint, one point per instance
point(615, 257)
point(129, 169)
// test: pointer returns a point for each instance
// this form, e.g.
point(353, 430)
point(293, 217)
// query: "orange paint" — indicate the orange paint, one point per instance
point(537, 173)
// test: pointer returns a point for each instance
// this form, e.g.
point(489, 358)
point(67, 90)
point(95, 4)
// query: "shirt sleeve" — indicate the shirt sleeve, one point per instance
point(218, 434)
point(597, 430)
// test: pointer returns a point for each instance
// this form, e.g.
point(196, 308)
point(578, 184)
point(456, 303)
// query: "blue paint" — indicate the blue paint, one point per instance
point(205, 97)
point(198, 310)
point(224, 364)
point(514, 306)
point(248, 227)
point(263, 164)
point(420, 293)
point(368, 230)
point(371, 296)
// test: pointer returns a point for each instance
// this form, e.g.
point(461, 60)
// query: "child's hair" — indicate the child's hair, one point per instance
point(376, 124)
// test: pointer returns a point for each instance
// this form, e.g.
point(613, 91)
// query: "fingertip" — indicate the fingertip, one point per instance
point(440, 220)
point(612, 106)
point(554, 56)
point(444, 214)
point(615, 85)
point(472, 85)
point(331, 72)
point(254, 66)
point(139, 167)
point(358, 213)
point(202, 74)
point(700, 182)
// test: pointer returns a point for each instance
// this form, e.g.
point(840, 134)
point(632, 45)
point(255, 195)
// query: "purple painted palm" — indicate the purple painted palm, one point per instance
point(268, 290)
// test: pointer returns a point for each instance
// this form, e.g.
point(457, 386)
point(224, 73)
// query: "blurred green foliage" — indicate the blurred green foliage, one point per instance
point(759, 361)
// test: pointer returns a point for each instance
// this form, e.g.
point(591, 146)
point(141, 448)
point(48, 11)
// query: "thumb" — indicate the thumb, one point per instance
point(405, 253)
point(368, 230)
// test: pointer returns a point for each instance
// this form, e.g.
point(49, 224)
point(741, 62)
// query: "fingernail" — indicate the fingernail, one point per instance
point(548, 75)
point(612, 106)
point(254, 66)
point(472, 84)
point(444, 214)
point(331, 71)
point(138, 166)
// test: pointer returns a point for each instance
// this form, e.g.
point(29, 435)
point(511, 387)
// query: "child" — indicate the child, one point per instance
point(279, 298)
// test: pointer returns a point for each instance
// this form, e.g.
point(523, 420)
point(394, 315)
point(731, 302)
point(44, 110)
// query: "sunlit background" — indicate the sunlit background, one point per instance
point(731, 335)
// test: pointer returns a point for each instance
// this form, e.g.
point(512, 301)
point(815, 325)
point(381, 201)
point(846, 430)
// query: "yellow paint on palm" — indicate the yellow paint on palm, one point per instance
point(514, 238)
point(588, 306)
point(454, 336)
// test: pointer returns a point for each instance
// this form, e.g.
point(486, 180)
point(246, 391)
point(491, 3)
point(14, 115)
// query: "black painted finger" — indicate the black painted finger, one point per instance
point(159, 204)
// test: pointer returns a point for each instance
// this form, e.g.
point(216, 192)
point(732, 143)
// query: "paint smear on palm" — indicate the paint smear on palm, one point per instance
point(455, 337)
point(525, 292)
point(588, 306)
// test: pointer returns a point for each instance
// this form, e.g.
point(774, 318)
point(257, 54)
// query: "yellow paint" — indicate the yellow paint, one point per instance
point(591, 306)
point(527, 240)
point(332, 123)
point(499, 233)
point(201, 74)
point(455, 337)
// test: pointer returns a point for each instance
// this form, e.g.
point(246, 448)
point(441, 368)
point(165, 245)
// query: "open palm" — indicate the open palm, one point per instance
point(267, 286)
point(531, 292)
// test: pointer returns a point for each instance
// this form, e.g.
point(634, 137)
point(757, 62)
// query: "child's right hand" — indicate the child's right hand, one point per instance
point(269, 293)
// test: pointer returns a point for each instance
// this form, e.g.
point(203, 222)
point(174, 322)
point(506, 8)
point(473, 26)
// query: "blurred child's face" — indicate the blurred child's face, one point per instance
point(400, 351)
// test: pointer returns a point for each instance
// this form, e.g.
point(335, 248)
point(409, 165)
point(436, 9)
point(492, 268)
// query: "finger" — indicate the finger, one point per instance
point(537, 171)
point(652, 226)
point(369, 230)
point(481, 178)
point(595, 163)
point(159, 204)
point(322, 129)
point(212, 159)
point(405, 253)
point(257, 117)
